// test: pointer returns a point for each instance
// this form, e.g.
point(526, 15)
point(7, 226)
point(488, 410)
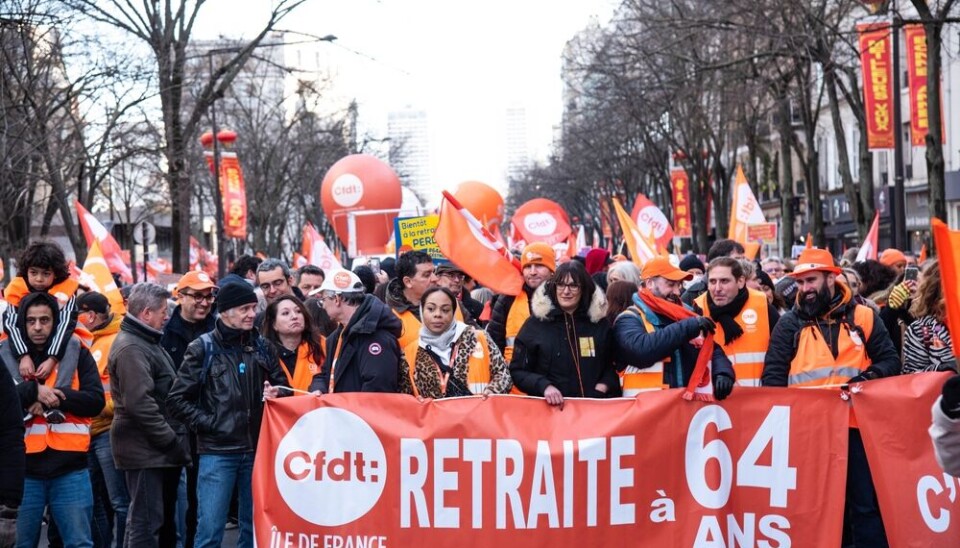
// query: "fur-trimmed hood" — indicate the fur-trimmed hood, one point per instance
point(543, 307)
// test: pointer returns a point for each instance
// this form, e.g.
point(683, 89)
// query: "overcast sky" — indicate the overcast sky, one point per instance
point(463, 62)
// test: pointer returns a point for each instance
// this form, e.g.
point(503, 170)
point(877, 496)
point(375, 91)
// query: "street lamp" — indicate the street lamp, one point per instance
point(218, 192)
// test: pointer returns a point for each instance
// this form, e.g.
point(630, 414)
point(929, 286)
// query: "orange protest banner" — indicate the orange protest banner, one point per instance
point(680, 187)
point(877, 83)
point(916, 41)
point(234, 196)
point(918, 500)
point(767, 467)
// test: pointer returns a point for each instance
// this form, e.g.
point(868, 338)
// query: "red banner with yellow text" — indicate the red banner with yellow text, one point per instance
point(386, 470)
point(918, 501)
point(233, 193)
point(680, 187)
point(877, 83)
point(916, 40)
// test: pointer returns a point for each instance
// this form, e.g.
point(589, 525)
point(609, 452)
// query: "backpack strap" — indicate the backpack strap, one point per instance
point(208, 352)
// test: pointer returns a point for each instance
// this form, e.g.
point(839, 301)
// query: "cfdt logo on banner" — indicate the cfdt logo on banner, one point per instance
point(330, 467)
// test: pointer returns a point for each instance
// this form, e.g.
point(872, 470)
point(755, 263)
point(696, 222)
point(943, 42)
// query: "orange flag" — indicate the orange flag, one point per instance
point(96, 276)
point(642, 246)
point(809, 242)
point(923, 254)
point(316, 251)
point(745, 209)
point(947, 243)
point(93, 231)
point(470, 246)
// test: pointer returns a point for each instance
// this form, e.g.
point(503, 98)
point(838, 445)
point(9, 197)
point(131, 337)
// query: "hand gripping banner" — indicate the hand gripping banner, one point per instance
point(765, 468)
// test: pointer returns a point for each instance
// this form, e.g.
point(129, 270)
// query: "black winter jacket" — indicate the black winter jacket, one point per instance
point(370, 355)
point(884, 359)
point(12, 450)
point(543, 352)
point(497, 328)
point(178, 333)
point(225, 408)
point(635, 346)
point(143, 434)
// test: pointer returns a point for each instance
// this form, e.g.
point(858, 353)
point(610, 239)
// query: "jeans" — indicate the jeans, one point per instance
point(862, 515)
point(103, 473)
point(70, 499)
point(152, 519)
point(218, 475)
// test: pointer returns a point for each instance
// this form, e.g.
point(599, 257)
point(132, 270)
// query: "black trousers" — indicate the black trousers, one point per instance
point(152, 520)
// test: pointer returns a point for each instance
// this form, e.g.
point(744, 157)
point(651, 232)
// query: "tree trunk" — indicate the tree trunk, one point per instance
point(787, 236)
point(840, 136)
point(934, 155)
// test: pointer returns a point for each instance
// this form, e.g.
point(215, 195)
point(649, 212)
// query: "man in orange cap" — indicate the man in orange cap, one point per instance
point(658, 339)
point(538, 263)
point(895, 259)
point(828, 341)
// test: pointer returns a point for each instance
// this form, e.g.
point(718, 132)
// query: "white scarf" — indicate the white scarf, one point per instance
point(441, 344)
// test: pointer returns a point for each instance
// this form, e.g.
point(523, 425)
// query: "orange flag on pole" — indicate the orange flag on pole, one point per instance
point(93, 231)
point(96, 275)
point(809, 243)
point(470, 246)
point(316, 251)
point(947, 243)
point(642, 246)
point(923, 254)
point(868, 249)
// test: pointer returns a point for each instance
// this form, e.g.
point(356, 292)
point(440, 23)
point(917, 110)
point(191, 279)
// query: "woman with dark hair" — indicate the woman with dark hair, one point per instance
point(876, 280)
point(450, 358)
point(619, 298)
point(289, 326)
point(927, 345)
point(564, 349)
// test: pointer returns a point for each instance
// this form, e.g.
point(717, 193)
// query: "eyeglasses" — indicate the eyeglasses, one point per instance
point(455, 276)
point(200, 297)
point(572, 287)
point(276, 284)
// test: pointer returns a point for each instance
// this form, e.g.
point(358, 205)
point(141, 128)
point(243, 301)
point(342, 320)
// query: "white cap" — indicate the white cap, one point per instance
point(340, 280)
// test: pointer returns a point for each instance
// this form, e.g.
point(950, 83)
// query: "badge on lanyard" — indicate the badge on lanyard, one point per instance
point(587, 349)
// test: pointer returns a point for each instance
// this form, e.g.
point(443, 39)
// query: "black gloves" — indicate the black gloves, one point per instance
point(706, 325)
point(867, 375)
point(722, 386)
point(950, 404)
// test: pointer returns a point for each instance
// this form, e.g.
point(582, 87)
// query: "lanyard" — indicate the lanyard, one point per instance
point(336, 356)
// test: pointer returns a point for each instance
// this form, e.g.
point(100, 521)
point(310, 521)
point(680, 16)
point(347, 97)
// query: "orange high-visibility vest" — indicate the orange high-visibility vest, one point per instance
point(634, 380)
point(100, 350)
point(814, 366)
point(305, 369)
point(750, 349)
point(518, 315)
point(478, 365)
point(74, 433)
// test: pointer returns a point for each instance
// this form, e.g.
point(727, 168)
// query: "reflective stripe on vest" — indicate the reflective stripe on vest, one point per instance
point(814, 366)
point(74, 433)
point(748, 352)
point(635, 380)
point(516, 317)
point(478, 365)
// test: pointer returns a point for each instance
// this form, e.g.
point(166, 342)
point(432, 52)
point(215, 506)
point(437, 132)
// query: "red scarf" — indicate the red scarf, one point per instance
point(700, 387)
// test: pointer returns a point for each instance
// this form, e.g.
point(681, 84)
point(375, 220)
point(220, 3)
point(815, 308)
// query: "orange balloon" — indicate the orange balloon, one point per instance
point(361, 182)
point(482, 200)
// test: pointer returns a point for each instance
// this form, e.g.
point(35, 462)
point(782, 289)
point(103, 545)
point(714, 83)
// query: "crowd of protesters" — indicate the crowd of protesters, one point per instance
point(138, 427)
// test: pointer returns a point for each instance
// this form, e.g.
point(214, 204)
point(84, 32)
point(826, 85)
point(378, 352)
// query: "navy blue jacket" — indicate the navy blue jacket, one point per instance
point(178, 333)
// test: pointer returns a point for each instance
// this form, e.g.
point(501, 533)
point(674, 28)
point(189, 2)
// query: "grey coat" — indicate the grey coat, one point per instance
point(143, 434)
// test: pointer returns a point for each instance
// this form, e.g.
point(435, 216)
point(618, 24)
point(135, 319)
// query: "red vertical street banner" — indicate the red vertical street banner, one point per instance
point(916, 40)
point(234, 195)
point(386, 470)
point(680, 186)
point(877, 83)
point(918, 501)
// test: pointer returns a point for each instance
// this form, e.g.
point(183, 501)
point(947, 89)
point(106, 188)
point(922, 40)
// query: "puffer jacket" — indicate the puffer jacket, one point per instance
point(543, 352)
point(369, 358)
point(143, 434)
point(225, 406)
point(669, 339)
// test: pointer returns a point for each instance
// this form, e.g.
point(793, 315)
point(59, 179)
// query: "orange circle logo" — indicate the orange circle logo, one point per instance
point(342, 280)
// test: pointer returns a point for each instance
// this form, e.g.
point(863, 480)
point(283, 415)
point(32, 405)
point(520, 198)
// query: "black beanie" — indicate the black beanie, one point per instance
point(691, 261)
point(233, 295)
